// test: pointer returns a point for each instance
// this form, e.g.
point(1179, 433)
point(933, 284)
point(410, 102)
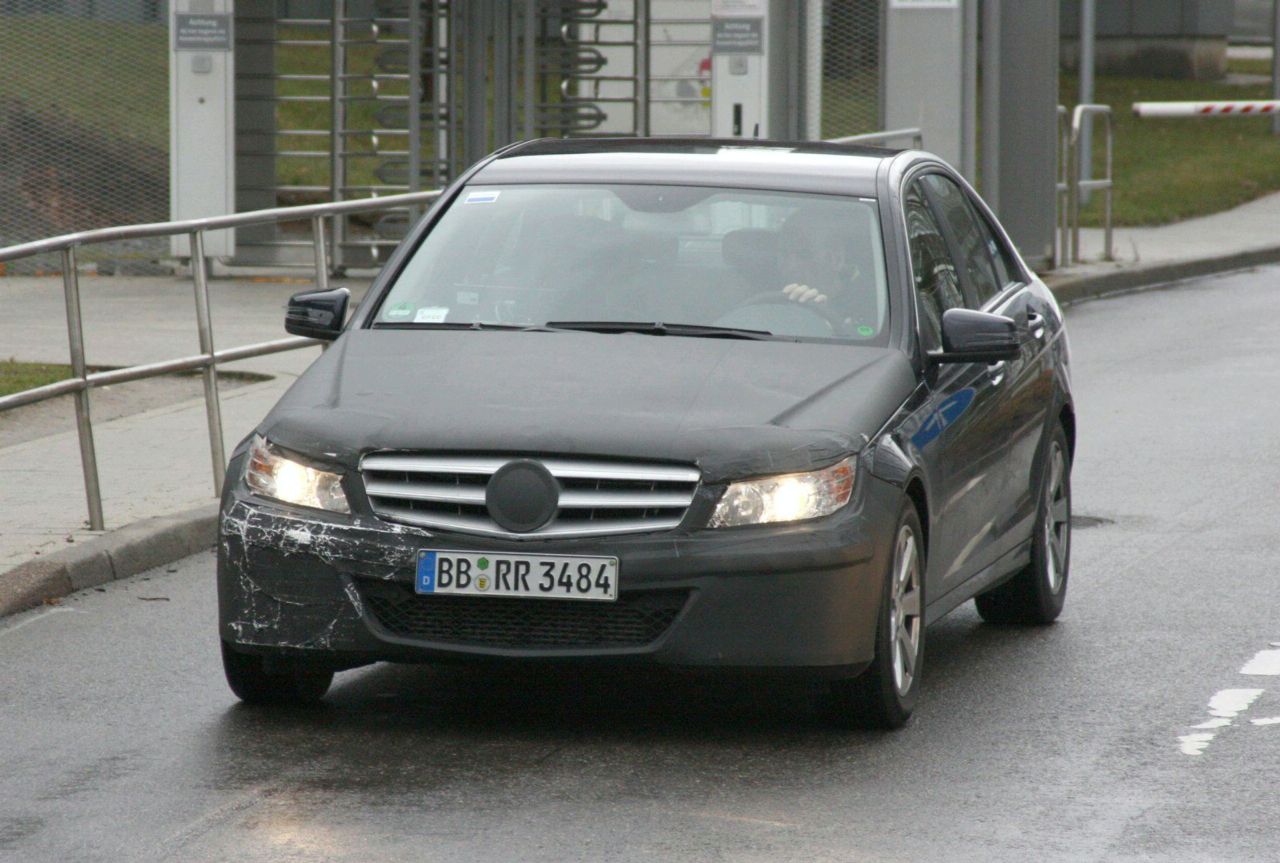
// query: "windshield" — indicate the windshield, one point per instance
point(783, 264)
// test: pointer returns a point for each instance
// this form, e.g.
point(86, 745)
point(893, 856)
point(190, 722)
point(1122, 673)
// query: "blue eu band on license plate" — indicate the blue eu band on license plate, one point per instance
point(545, 576)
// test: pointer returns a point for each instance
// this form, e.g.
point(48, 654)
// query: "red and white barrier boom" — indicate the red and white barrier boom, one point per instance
point(1255, 108)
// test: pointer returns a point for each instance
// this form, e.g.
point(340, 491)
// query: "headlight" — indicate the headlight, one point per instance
point(790, 497)
point(271, 474)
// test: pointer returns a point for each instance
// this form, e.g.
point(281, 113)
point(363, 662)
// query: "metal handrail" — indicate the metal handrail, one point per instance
point(1061, 190)
point(1078, 184)
point(81, 381)
point(915, 134)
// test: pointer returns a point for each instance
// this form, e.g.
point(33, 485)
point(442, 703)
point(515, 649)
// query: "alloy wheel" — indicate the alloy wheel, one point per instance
point(905, 622)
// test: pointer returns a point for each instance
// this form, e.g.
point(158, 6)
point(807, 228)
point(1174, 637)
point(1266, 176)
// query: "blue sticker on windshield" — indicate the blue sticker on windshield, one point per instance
point(482, 197)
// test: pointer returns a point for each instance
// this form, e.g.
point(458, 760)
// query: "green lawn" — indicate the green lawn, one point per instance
point(1169, 170)
point(107, 76)
point(16, 377)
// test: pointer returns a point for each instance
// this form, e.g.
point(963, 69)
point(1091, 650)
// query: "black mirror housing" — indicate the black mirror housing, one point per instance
point(317, 314)
point(969, 336)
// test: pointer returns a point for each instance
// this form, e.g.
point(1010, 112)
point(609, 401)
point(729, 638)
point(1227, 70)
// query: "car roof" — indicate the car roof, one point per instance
point(801, 166)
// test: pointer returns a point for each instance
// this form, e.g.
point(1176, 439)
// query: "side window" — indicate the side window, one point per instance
point(973, 239)
point(937, 284)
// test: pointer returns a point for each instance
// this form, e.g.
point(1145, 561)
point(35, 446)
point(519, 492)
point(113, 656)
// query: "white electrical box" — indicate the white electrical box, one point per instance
point(740, 69)
point(202, 179)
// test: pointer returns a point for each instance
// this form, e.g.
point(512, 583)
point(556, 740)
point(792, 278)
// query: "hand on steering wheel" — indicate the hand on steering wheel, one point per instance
point(803, 294)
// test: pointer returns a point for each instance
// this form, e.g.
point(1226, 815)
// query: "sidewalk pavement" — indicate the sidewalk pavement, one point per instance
point(150, 464)
point(156, 464)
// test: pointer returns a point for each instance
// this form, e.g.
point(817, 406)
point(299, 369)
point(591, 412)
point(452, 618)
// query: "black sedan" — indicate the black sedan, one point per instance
point(697, 403)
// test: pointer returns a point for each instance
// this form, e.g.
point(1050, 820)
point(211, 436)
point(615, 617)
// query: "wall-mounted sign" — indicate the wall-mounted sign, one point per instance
point(201, 32)
point(737, 36)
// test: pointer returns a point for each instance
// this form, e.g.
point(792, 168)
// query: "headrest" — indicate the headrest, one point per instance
point(750, 250)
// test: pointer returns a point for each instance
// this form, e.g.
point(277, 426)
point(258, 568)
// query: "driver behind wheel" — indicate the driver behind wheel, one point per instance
point(819, 253)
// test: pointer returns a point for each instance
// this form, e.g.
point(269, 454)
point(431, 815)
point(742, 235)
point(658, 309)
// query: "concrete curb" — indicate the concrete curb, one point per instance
point(118, 554)
point(1072, 288)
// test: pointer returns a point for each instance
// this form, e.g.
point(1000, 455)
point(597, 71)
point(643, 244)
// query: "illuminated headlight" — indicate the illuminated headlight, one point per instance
point(271, 474)
point(790, 497)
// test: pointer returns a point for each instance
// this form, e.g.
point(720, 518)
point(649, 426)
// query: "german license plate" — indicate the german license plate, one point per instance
point(546, 576)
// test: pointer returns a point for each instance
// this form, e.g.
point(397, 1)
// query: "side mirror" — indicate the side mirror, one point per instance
point(317, 314)
point(976, 337)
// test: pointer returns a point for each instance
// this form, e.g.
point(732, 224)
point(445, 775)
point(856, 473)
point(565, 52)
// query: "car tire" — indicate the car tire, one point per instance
point(254, 680)
point(1035, 595)
point(884, 694)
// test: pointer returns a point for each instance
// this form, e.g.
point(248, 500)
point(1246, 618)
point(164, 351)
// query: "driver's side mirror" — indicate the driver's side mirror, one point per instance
point(317, 314)
point(976, 337)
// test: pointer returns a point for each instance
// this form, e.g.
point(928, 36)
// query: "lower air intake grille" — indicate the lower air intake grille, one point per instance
point(634, 620)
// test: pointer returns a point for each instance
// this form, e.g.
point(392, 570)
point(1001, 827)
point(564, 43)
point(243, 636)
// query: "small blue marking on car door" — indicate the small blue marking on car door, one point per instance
point(426, 582)
point(946, 414)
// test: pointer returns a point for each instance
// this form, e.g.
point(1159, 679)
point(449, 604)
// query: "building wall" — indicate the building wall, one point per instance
point(1163, 38)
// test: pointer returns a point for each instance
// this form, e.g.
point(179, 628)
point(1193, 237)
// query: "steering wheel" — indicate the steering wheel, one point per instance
point(777, 298)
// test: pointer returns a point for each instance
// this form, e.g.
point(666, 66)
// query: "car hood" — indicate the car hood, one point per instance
point(733, 407)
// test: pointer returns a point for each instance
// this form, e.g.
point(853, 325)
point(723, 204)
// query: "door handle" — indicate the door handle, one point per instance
point(995, 372)
point(1035, 323)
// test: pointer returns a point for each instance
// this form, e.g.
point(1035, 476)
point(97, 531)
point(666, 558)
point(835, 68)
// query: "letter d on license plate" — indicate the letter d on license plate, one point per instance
point(548, 576)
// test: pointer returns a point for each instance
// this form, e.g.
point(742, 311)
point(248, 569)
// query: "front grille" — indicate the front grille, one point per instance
point(597, 497)
point(634, 620)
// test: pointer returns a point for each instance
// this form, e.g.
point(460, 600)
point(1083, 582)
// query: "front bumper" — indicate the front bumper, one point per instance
point(340, 590)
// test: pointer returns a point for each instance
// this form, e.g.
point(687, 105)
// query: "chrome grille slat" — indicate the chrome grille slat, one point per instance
point(597, 497)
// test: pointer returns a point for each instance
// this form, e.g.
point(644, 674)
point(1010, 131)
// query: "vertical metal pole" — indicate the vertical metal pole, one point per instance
point(813, 33)
point(321, 258)
point(416, 32)
point(213, 408)
point(530, 67)
point(1073, 183)
point(969, 91)
point(1111, 134)
point(642, 67)
point(337, 124)
point(503, 72)
point(1088, 31)
point(1275, 63)
point(991, 103)
point(84, 425)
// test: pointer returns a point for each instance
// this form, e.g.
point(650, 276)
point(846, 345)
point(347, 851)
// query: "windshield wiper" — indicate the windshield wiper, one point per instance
point(456, 325)
point(658, 328)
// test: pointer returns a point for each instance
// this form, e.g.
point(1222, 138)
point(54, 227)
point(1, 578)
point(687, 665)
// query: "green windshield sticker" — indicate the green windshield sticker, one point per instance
point(400, 310)
point(866, 331)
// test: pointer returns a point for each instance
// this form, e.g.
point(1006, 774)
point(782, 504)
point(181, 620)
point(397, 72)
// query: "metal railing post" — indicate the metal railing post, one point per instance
point(321, 254)
point(213, 408)
point(1078, 183)
point(1062, 213)
point(84, 425)
point(642, 67)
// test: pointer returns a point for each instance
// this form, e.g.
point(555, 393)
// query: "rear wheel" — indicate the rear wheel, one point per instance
point(1037, 593)
point(884, 695)
point(257, 680)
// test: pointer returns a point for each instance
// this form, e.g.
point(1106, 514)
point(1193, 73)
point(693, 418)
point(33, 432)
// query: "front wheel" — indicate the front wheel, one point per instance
point(1037, 593)
point(255, 680)
point(884, 695)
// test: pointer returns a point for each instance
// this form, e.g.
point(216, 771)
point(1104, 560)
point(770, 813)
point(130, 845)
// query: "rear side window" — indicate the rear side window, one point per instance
point(973, 240)
point(937, 284)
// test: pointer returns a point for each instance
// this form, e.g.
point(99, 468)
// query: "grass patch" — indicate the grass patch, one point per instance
point(1175, 169)
point(16, 377)
point(110, 76)
point(1245, 66)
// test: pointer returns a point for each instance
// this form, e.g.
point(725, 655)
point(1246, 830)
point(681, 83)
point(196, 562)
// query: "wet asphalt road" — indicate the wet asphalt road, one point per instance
point(119, 740)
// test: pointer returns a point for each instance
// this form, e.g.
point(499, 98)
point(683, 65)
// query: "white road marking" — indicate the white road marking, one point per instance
point(1225, 706)
point(1265, 662)
point(1270, 720)
point(1230, 703)
point(1195, 744)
